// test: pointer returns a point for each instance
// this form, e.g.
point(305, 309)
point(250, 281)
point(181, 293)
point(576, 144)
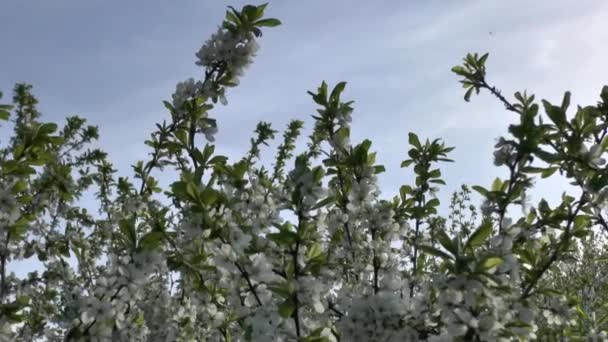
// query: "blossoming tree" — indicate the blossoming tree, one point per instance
point(214, 258)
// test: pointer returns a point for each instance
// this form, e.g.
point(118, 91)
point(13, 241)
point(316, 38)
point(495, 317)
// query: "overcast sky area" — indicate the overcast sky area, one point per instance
point(113, 62)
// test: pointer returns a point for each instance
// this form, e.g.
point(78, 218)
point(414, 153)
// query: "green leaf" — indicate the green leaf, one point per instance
point(467, 95)
point(314, 251)
point(287, 308)
point(284, 237)
point(218, 160)
point(435, 173)
point(460, 70)
point(169, 106)
point(64, 249)
point(580, 233)
point(581, 222)
point(379, 169)
point(446, 242)
point(481, 190)
point(404, 191)
point(182, 136)
point(527, 256)
point(338, 89)
point(556, 114)
point(239, 169)
point(127, 227)
point(261, 8)
point(548, 157)
point(604, 94)
point(566, 101)
point(198, 156)
point(151, 240)
point(435, 252)
point(20, 186)
point(406, 163)
point(56, 140)
point(47, 128)
point(433, 203)
point(232, 17)
point(497, 184)
point(284, 289)
point(250, 11)
point(482, 59)
point(270, 22)
point(140, 319)
point(22, 300)
point(546, 173)
point(491, 262)
point(192, 191)
point(604, 143)
point(479, 236)
point(413, 140)
point(323, 202)
point(208, 196)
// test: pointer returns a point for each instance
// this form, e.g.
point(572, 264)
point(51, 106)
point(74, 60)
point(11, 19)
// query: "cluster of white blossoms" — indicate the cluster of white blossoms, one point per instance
point(186, 91)
point(173, 318)
point(593, 155)
point(255, 205)
point(267, 325)
point(226, 51)
point(9, 208)
point(557, 311)
point(343, 119)
point(235, 49)
point(344, 116)
point(364, 191)
point(502, 245)
point(504, 154)
point(311, 193)
point(379, 317)
point(596, 336)
point(6, 330)
point(466, 304)
point(112, 310)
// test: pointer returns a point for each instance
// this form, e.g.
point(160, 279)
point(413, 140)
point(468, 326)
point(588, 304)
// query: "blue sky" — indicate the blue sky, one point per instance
point(113, 62)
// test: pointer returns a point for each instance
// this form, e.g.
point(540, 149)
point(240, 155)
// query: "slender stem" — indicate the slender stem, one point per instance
point(497, 93)
point(415, 259)
point(333, 308)
point(415, 256)
point(512, 168)
point(296, 267)
point(3, 285)
point(192, 137)
point(514, 173)
point(602, 222)
point(249, 283)
point(375, 263)
point(527, 292)
point(345, 205)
